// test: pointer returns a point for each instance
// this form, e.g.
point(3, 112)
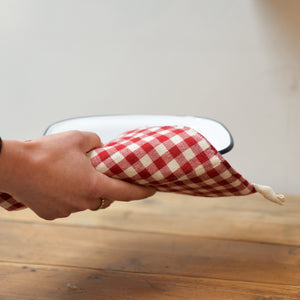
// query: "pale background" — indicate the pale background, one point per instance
point(237, 61)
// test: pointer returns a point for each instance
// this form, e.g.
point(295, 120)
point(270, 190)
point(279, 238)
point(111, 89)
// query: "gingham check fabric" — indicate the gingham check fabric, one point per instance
point(9, 203)
point(170, 158)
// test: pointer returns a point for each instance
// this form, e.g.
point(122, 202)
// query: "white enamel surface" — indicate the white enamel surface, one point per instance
point(109, 127)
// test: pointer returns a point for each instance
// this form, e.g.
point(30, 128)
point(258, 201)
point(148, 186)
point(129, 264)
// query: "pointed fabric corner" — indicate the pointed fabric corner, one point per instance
point(171, 159)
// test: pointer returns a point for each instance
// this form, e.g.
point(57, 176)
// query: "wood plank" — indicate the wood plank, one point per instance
point(249, 218)
point(149, 253)
point(23, 282)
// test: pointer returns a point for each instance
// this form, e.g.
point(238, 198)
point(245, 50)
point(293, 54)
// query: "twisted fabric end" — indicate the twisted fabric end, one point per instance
point(269, 194)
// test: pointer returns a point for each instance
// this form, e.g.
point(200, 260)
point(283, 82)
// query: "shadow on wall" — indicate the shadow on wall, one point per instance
point(280, 27)
point(283, 23)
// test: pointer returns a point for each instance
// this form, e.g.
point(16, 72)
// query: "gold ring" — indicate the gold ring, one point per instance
point(101, 204)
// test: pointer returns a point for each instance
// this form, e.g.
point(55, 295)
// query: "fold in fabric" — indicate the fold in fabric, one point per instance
point(171, 159)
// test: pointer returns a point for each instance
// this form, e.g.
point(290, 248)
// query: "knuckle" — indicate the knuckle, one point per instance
point(63, 214)
point(66, 214)
point(76, 134)
point(97, 137)
point(46, 216)
point(73, 135)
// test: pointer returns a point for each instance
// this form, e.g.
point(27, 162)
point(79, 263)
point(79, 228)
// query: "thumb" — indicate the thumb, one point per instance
point(116, 189)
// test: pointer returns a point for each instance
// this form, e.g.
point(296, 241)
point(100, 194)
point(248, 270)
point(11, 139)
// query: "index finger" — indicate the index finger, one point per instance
point(90, 141)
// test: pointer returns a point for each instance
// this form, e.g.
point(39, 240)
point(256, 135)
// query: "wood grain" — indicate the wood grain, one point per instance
point(165, 247)
point(25, 282)
point(249, 218)
point(149, 253)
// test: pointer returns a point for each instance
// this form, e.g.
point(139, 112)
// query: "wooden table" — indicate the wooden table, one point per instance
point(165, 247)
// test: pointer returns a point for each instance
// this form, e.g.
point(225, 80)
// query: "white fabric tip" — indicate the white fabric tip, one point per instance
point(269, 194)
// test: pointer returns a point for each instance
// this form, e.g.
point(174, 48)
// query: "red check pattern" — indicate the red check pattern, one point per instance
point(9, 203)
point(170, 158)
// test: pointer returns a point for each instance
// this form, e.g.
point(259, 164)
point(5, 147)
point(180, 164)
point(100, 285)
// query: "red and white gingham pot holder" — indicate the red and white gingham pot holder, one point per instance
point(171, 159)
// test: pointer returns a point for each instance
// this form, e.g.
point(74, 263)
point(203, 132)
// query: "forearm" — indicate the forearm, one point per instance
point(10, 160)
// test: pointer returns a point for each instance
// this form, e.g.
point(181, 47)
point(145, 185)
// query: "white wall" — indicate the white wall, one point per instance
point(237, 61)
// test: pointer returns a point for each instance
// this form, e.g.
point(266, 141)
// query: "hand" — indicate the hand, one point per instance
point(53, 176)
